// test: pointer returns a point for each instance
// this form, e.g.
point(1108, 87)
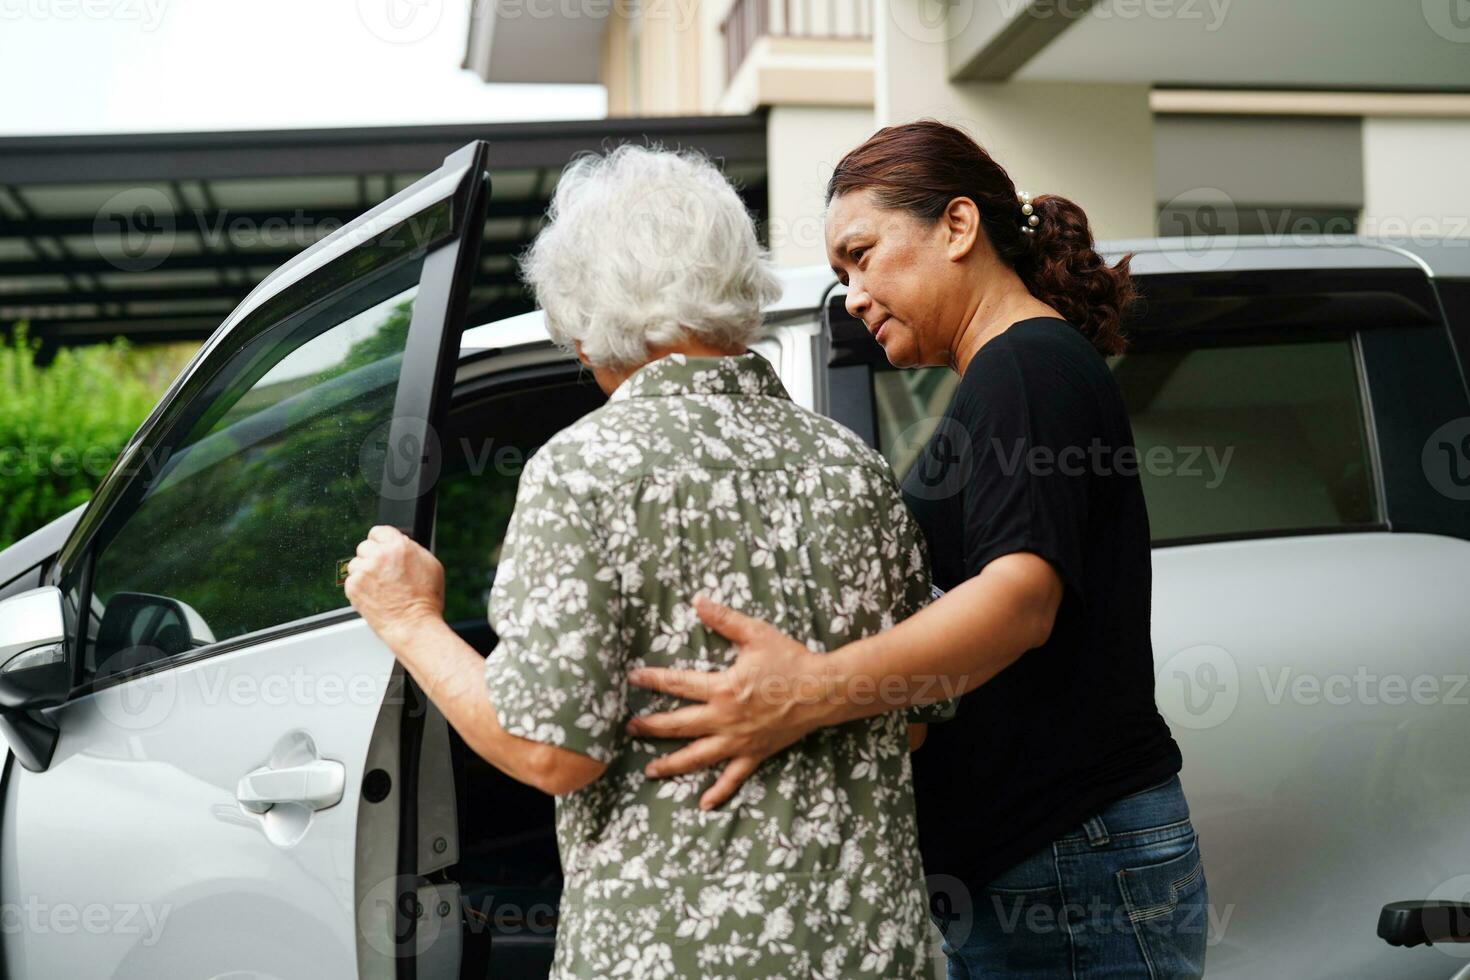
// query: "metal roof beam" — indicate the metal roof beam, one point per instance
point(263, 259)
point(161, 157)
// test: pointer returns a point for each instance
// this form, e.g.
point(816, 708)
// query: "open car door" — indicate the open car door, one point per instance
point(209, 744)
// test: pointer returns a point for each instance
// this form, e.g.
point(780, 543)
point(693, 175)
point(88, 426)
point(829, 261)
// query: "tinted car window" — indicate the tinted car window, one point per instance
point(1455, 295)
point(1249, 439)
point(909, 405)
point(244, 521)
point(1232, 440)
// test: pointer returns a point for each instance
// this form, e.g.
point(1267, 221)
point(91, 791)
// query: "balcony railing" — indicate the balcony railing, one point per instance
point(749, 20)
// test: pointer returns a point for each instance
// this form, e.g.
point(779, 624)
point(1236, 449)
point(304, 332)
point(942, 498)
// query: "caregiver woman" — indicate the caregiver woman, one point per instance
point(1054, 830)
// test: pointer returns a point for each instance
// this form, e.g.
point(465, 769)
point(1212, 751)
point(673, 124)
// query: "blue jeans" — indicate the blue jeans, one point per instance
point(1123, 895)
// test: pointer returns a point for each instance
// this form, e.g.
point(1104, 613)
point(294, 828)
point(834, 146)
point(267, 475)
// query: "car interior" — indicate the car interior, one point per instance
point(508, 870)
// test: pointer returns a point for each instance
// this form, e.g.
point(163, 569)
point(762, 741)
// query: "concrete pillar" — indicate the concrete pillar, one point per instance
point(1089, 142)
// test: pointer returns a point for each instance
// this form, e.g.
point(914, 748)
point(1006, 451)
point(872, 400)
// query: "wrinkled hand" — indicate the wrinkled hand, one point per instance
point(394, 582)
point(770, 698)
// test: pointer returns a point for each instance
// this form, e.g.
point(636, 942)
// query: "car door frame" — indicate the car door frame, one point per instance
point(440, 217)
point(460, 185)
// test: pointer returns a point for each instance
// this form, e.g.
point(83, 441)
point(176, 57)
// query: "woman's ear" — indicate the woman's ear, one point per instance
point(961, 224)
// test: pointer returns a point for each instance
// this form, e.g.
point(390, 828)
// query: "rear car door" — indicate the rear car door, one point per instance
point(217, 794)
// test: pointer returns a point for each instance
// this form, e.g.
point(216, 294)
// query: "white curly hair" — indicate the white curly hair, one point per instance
point(644, 247)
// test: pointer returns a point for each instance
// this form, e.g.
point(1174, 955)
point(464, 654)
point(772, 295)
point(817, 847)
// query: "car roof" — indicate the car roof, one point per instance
point(803, 287)
point(1444, 258)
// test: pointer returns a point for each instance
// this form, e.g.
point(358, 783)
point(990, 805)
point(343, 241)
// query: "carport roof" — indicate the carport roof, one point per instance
point(159, 236)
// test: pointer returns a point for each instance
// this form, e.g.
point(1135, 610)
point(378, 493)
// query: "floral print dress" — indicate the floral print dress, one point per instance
point(700, 473)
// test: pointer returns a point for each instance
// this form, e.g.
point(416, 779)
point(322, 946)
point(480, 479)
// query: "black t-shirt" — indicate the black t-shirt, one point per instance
point(1035, 453)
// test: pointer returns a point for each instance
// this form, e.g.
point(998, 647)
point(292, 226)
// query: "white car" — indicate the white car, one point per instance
point(217, 770)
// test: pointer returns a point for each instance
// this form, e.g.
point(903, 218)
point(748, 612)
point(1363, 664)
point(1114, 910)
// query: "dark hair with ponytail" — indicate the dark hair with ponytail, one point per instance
point(920, 167)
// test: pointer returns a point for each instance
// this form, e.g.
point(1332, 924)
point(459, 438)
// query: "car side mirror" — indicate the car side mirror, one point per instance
point(138, 628)
point(1417, 923)
point(33, 667)
point(34, 671)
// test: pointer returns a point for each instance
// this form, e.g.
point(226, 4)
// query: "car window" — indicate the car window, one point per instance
point(1233, 440)
point(1455, 295)
point(909, 405)
point(1243, 440)
point(275, 481)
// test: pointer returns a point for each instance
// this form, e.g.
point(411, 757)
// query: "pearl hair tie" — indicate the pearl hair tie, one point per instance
point(1028, 209)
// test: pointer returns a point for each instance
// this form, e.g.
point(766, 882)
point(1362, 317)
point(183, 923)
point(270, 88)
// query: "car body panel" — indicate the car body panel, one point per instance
point(1317, 686)
point(193, 878)
point(212, 794)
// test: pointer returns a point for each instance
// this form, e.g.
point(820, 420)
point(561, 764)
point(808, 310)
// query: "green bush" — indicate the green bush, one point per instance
point(62, 425)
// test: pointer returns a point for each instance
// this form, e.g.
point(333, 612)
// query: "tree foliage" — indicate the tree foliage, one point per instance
point(63, 424)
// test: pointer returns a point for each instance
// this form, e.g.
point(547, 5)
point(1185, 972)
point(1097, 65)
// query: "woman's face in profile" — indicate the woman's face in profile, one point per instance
point(897, 273)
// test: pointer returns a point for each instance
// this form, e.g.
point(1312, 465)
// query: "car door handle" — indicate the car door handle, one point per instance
point(315, 785)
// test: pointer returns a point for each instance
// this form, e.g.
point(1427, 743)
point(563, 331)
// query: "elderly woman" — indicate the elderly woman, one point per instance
point(698, 473)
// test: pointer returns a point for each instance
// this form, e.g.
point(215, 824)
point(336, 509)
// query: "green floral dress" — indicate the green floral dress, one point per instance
point(700, 473)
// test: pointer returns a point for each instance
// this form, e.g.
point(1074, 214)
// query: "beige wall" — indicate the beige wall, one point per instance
point(802, 71)
point(680, 63)
point(803, 145)
point(1092, 143)
point(616, 71)
point(672, 54)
